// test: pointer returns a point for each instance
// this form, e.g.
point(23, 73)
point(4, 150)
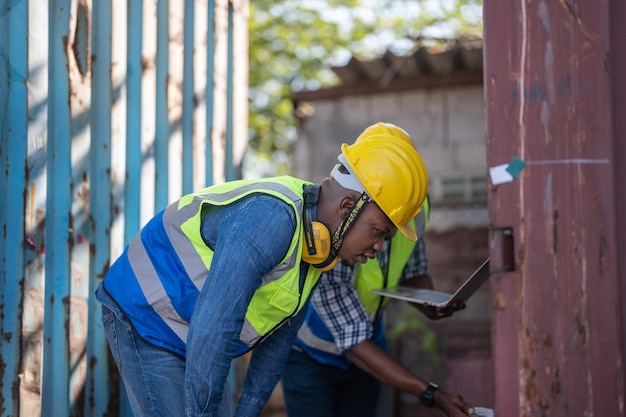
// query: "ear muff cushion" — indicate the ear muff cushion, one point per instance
point(321, 243)
point(317, 245)
point(322, 258)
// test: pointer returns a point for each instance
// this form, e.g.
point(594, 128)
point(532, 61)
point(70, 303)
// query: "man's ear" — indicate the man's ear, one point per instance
point(346, 204)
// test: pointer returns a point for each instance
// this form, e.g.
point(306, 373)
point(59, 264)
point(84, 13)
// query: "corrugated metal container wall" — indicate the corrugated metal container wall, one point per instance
point(555, 94)
point(108, 110)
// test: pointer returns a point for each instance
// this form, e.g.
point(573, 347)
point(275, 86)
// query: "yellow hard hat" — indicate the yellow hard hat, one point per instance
point(392, 173)
point(382, 128)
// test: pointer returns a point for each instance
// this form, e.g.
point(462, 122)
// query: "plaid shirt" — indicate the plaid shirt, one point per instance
point(337, 302)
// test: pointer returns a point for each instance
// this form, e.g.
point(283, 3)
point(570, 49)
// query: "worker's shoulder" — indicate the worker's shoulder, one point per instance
point(271, 205)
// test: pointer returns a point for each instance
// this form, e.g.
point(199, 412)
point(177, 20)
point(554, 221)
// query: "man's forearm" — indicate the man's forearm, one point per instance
point(376, 362)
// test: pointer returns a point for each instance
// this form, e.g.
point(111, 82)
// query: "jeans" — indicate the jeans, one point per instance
point(154, 378)
point(312, 389)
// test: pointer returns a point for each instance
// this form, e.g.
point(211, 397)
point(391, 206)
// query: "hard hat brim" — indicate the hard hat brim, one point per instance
point(408, 231)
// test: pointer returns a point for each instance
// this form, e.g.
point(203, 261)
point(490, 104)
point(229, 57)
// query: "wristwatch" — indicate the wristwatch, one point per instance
point(427, 398)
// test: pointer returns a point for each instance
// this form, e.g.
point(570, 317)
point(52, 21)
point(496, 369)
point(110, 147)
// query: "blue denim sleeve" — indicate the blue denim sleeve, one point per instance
point(249, 238)
point(266, 366)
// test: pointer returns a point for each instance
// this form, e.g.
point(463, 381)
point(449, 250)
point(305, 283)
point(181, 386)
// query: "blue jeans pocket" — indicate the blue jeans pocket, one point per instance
point(110, 331)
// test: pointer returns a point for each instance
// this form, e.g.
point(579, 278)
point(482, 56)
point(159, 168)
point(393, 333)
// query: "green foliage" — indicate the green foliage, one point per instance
point(409, 321)
point(293, 43)
point(289, 49)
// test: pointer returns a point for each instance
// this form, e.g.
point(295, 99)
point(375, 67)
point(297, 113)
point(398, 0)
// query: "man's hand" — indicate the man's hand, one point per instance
point(436, 313)
point(432, 312)
point(452, 404)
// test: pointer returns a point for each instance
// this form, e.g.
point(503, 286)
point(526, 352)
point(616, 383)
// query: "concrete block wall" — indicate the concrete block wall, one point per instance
point(446, 125)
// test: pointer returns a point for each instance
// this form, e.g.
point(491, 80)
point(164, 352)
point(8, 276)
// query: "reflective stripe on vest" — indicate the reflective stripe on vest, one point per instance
point(316, 340)
point(305, 333)
point(161, 274)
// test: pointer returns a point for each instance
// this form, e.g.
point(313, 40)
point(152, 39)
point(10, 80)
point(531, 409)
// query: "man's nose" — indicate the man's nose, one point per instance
point(378, 245)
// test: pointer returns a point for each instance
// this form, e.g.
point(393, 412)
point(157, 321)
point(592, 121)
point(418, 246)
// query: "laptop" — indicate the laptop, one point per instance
point(438, 298)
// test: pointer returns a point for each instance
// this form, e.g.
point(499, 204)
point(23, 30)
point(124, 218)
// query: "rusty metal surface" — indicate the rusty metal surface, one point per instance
point(618, 86)
point(13, 110)
point(558, 324)
point(87, 156)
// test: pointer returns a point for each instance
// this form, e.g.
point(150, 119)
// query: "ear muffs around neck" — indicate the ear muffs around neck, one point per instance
point(317, 245)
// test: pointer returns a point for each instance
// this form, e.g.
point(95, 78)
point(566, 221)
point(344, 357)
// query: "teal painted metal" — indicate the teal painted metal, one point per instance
point(161, 150)
point(35, 199)
point(13, 134)
point(210, 93)
point(134, 155)
point(231, 172)
point(97, 388)
point(188, 97)
point(55, 374)
point(70, 202)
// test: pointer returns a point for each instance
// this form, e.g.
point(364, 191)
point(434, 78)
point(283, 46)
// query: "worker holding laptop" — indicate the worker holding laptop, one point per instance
point(431, 300)
point(339, 360)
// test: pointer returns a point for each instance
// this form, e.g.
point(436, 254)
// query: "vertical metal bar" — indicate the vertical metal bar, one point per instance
point(230, 171)
point(148, 116)
point(175, 80)
point(132, 191)
point(188, 97)
point(97, 388)
point(79, 94)
point(617, 18)
point(162, 114)
point(35, 204)
point(210, 92)
point(120, 32)
point(507, 286)
point(13, 137)
point(199, 136)
point(58, 207)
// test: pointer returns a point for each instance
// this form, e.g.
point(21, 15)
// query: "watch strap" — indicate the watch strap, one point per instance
point(427, 398)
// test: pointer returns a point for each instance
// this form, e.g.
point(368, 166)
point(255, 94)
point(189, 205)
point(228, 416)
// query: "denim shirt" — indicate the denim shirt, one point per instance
point(249, 239)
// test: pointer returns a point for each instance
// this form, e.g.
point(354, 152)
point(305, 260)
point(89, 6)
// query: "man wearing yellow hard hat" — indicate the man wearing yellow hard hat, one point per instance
point(339, 359)
point(230, 268)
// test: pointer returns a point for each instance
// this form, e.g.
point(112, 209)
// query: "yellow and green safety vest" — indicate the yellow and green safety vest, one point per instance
point(158, 278)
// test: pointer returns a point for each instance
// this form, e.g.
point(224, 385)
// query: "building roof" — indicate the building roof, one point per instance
point(460, 62)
